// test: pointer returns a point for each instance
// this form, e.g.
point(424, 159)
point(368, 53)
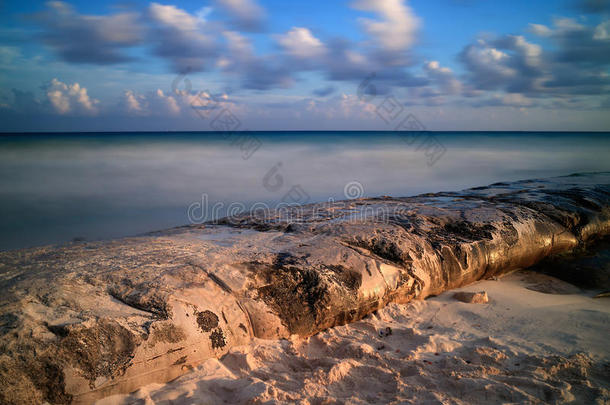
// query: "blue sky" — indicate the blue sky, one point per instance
point(274, 65)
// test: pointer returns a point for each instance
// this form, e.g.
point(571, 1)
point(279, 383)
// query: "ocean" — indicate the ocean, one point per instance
point(55, 188)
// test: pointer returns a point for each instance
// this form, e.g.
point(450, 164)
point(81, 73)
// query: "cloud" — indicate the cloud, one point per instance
point(576, 64)
point(167, 102)
point(540, 30)
point(344, 106)
point(509, 63)
point(92, 39)
point(581, 45)
point(254, 72)
point(443, 77)
point(182, 39)
point(397, 28)
point(246, 15)
point(581, 58)
point(324, 91)
point(178, 103)
point(134, 103)
point(505, 100)
point(155, 103)
point(602, 31)
point(191, 43)
point(300, 43)
point(346, 62)
point(70, 98)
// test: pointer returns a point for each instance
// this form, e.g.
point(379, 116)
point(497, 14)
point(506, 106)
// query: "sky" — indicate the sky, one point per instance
point(135, 65)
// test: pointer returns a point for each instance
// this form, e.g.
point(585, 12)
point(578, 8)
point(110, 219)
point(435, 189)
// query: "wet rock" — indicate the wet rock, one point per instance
point(472, 297)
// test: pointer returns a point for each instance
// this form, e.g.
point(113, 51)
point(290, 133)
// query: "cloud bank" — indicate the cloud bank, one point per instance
point(561, 65)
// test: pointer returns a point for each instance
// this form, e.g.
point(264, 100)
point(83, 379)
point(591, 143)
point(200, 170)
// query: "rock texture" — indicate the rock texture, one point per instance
point(86, 320)
point(472, 297)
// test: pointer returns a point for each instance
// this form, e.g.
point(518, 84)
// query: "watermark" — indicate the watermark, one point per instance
point(407, 126)
point(353, 190)
point(221, 119)
point(236, 213)
point(273, 181)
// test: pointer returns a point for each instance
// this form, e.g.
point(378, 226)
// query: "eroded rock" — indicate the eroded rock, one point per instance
point(86, 320)
point(472, 297)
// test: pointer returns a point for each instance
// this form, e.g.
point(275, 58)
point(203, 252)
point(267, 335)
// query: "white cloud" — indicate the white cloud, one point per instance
point(300, 43)
point(134, 102)
point(397, 29)
point(246, 15)
point(568, 24)
point(443, 76)
point(483, 57)
point(508, 62)
point(70, 98)
point(174, 17)
point(531, 52)
point(169, 102)
point(540, 30)
point(602, 31)
point(178, 103)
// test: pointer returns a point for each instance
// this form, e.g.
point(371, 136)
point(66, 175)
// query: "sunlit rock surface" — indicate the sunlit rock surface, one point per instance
point(86, 320)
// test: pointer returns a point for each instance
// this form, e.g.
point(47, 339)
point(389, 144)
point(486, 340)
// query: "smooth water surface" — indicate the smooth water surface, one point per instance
point(57, 187)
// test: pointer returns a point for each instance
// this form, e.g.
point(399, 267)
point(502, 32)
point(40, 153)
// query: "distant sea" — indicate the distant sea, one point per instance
point(58, 187)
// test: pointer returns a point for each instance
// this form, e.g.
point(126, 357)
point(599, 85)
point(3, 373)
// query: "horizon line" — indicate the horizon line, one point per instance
point(8, 133)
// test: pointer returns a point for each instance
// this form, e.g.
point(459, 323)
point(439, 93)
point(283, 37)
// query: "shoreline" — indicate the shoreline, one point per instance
point(90, 320)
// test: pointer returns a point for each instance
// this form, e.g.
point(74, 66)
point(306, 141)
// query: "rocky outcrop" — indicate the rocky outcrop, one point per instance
point(87, 320)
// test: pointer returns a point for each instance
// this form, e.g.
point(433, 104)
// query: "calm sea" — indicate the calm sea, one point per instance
point(57, 187)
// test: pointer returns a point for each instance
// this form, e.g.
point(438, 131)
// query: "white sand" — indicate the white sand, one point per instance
point(524, 346)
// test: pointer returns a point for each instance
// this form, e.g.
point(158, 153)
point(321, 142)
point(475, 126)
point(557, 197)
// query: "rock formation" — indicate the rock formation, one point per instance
point(90, 319)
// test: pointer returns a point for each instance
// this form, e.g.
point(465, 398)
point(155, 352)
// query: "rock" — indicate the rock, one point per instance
point(587, 267)
point(472, 297)
point(91, 319)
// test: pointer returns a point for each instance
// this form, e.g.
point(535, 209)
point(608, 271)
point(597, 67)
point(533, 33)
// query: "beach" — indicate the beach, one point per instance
point(524, 346)
point(304, 202)
point(391, 298)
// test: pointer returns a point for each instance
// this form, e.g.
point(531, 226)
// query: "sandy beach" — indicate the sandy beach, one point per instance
point(524, 346)
point(304, 202)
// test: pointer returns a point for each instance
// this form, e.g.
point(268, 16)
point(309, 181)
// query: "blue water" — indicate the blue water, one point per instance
point(57, 187)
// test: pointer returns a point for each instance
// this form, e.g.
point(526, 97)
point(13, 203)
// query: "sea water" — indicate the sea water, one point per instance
point(58, 187)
